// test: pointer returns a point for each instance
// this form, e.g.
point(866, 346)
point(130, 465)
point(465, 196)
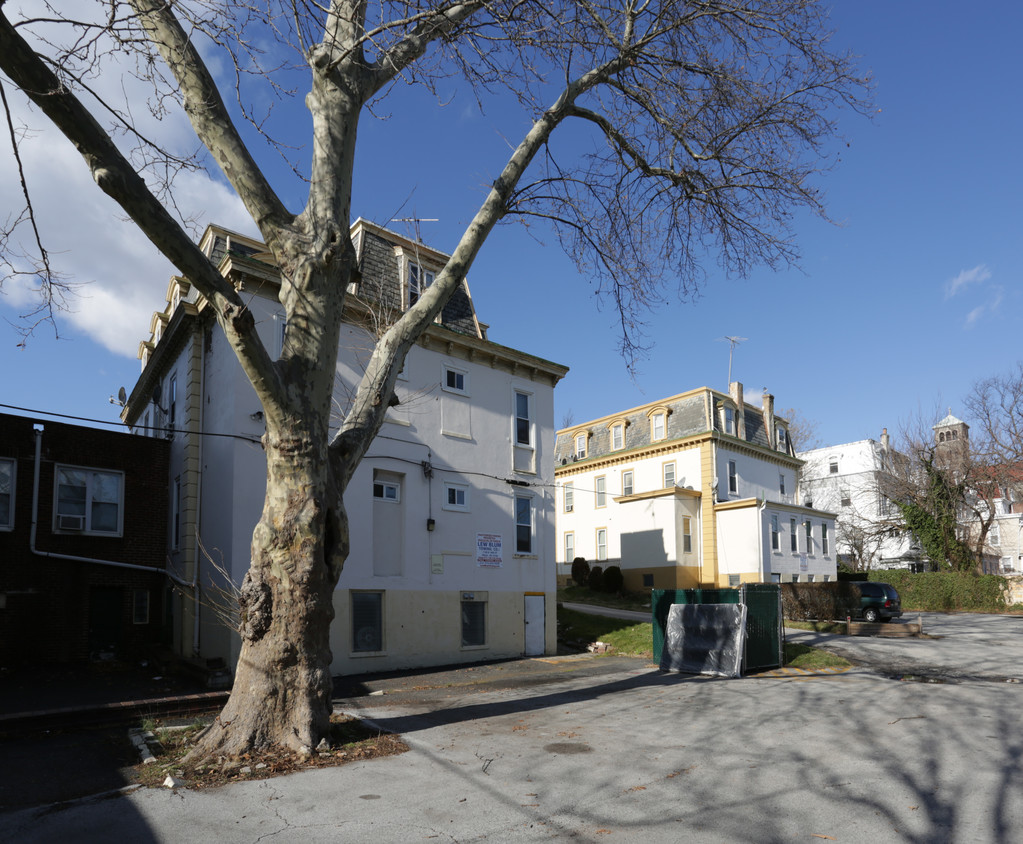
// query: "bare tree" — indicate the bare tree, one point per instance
point(704, 127)
point(804, 433)
point(995, 408)
point(957, 480)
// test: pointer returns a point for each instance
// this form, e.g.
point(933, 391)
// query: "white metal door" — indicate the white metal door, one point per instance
point(533, 613)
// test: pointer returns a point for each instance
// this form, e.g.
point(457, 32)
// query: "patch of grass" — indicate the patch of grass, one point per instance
point(350, 740)
point(803, 656)
point(638, 601)
point(626, 637)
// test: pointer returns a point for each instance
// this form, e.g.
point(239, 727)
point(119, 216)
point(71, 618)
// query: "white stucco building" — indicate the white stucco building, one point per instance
point(699, 489)
point(848, 479)
point(451, 511)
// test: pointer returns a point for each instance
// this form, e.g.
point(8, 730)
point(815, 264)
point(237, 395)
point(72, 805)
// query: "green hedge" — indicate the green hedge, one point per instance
point(945, 591)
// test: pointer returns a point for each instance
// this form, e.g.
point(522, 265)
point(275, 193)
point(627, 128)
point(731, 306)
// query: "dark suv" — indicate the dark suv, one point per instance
point(878, 601)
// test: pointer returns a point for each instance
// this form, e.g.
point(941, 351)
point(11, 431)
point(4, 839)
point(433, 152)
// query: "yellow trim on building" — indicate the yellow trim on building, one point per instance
point(708, 516)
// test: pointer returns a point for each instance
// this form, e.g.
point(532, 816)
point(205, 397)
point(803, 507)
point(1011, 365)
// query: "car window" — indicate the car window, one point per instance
point(890, 592)
point(870, 590)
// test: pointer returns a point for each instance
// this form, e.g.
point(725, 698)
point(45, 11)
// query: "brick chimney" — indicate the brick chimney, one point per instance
point(768, 409)
point(735, 391)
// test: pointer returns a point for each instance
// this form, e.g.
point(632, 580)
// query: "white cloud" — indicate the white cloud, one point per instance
point(973, 317)
point(990, 307)
point(122, 278)
point(978, 275)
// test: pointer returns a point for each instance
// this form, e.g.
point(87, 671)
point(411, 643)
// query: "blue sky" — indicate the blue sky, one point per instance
point(896, 310)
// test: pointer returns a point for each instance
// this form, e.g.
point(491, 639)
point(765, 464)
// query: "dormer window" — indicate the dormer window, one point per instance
point(580, 445)
point(783, 439)
point(658, 423)
point(728, 420)
point(616, 434)
point(419, 279)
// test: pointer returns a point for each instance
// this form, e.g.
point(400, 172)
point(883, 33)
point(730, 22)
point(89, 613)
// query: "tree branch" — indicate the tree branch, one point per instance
point(210, 119)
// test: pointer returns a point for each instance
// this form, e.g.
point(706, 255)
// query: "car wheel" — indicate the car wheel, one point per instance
point(870, 615)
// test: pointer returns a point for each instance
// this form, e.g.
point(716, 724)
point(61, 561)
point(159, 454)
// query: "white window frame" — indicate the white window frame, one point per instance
point(618, 436)
point(601, 543)
point(809, 537)
point(824, 539)
point(781, 483)
point(379, 624)
point(600, 491)
point(994, 536)
point(90, 502)
point(517, 419)
point(580, 445)
point(456, 488)
point(687, 535)
point(728, 420)
point(424, 278)
point(569, 497)
point(658, 425)
point(668, 469)
point(12, 475)
point(775, 534)
point(172, 402)
point(456, 372)
point(628, 482)
point(568, 545)
point(793, 536)
point(782, 438)
point(383, 487)
point(733, 478)
point(529, 524)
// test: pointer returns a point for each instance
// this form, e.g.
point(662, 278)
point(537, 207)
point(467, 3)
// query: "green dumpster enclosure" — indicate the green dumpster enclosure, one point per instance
point(765, 642)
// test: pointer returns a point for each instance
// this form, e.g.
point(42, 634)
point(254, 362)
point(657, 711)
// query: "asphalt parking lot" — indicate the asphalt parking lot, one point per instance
point(602, 750)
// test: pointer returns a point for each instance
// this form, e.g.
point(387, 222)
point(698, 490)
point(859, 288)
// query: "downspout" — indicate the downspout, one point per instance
point(35, 520)
point(760, 537)
point(198, 497)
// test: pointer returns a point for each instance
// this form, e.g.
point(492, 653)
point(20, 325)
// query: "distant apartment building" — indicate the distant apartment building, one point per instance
point(698, 489)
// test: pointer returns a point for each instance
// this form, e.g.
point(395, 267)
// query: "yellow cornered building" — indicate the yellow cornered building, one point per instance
point(697, 490)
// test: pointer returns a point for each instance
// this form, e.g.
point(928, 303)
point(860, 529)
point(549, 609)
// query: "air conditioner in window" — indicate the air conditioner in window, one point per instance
point(569, 508)
point(70, 522)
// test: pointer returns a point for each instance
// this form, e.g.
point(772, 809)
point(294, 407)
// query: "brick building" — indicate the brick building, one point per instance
point(83, 537)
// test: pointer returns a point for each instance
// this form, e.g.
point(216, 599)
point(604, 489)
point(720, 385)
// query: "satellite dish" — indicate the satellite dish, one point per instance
point(156, 397)
point(122, 396)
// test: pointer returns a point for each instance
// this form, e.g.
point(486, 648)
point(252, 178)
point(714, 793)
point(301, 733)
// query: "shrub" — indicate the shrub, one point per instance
point(945, 591)
point(613, 580)
point(820, 601)
point(580, 571)
point(596, 580)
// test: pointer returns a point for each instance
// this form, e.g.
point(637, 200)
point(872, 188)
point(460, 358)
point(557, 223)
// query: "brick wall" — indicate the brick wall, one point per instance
point(52, 609)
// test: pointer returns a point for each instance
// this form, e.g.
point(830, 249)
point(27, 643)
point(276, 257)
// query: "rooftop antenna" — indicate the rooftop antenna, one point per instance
point(732, 343)
point(415, 221)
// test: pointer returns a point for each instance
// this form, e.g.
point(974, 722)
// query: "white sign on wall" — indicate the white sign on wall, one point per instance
point(488, 549)
point(803, 566)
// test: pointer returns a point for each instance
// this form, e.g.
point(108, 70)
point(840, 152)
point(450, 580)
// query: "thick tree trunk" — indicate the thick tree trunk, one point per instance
point(282, 689)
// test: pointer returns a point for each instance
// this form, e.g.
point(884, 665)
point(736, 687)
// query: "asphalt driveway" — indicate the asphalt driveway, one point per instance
point(955, 646)
point(628, 753)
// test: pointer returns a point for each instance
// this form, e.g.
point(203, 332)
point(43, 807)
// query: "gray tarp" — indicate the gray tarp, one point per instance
point(705, 639)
